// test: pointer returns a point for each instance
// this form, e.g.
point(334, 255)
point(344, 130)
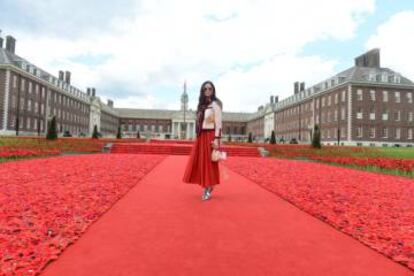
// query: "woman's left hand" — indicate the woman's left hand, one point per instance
point(214, 144)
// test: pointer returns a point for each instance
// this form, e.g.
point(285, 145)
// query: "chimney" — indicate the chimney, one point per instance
point(10, 44)
point(276, 99)
point(110, 103)
point(67, 77)
point(296, 87)
point(302, 86)
point(61, 74)
point(93, 92)
point(88, 91)
point(369, 59)
point(272, 99)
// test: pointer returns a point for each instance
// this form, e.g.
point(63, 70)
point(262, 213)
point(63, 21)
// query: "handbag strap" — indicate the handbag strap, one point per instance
point(219, 140)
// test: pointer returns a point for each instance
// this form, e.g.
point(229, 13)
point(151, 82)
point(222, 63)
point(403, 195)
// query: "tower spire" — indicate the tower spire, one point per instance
point(184, 97)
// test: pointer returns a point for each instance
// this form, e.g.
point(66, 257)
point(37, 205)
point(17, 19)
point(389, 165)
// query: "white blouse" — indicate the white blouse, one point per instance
point(212, 118)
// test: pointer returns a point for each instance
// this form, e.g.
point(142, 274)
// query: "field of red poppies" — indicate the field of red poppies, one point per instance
point(46, 204)
point(397, 161)
point(376, 209)
point(12, 148)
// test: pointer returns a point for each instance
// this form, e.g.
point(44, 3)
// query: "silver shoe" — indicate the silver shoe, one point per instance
point(207, 194)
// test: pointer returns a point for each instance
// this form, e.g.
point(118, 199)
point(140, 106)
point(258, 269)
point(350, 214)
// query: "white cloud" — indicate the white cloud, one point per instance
point(167, 42)
point(396, 42)
point(244, 90)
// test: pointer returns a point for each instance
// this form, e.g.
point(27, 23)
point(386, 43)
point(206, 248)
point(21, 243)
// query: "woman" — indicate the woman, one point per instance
point(200, 168)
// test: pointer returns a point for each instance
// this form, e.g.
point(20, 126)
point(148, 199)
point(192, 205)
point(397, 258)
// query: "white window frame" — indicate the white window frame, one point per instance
point(360, 96)
point(385, 96)
point(359, 131)
point(385, 132)
point(397, 96)
point(372, 95)
point(359, 113)
point(372, 132)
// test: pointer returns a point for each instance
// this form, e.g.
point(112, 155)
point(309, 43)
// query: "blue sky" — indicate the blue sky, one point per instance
point(139, 52)
point(345, 51)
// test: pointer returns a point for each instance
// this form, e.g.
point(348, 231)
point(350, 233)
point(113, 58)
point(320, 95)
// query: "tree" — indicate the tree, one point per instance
point(229, 137)
point(316, 139)
point(250, 139)
point(119, 134)
point(138, 135)
point(17, 126)
point(273, 138)
point(51, 129)
point(95, 134)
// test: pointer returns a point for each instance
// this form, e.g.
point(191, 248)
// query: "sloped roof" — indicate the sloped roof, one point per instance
point(7, 57)
point(359, 73)
point(146, 113)
point(169, 114)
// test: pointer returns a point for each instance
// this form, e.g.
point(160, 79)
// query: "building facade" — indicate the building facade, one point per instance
point(363, 105)
point(176, 124)
point(29, 97)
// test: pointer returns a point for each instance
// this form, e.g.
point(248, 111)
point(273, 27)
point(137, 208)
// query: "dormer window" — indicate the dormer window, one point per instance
point(397, 78)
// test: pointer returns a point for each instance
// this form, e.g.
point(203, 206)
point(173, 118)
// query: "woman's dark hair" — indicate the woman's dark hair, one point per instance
point(203, 103)
point(203, 100)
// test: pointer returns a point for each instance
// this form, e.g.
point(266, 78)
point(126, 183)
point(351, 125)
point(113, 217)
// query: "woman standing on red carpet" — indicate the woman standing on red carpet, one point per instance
point(200, 168)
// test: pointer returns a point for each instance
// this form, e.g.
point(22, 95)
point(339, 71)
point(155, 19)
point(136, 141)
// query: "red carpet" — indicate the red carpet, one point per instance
point(161, 227)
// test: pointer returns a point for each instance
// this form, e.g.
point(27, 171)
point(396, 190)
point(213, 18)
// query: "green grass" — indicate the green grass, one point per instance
point(403, 153)
point(372, 169)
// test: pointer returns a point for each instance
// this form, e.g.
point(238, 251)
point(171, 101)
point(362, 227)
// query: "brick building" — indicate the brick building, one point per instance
point(176, 124)
point(363, 105)
point(30, 96)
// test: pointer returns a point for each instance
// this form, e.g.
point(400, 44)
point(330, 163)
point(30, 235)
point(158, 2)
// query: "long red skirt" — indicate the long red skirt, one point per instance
point(200, 169)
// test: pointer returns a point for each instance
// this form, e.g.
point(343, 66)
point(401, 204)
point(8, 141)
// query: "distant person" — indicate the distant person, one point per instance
point(200, 168)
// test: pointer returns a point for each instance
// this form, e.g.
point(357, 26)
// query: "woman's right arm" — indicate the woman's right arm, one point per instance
point(217, 122)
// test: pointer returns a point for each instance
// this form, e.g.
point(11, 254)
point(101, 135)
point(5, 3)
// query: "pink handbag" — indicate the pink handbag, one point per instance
point(217, 155)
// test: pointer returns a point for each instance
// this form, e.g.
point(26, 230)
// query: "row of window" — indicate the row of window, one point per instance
point(288, 126)
point(327, 117)
point(327, 100)
point(60, 84)
point(236, 130)
point(57, 98)
point(68, 116)
point(333, 133)
point(26, 105)
point(384, 133)
point(70, 103)
point(385, 96)
point(108, 123)
point(30, 124)
point(35, 124)
point(30, 105)
point(153, 128)
point(385, 114)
